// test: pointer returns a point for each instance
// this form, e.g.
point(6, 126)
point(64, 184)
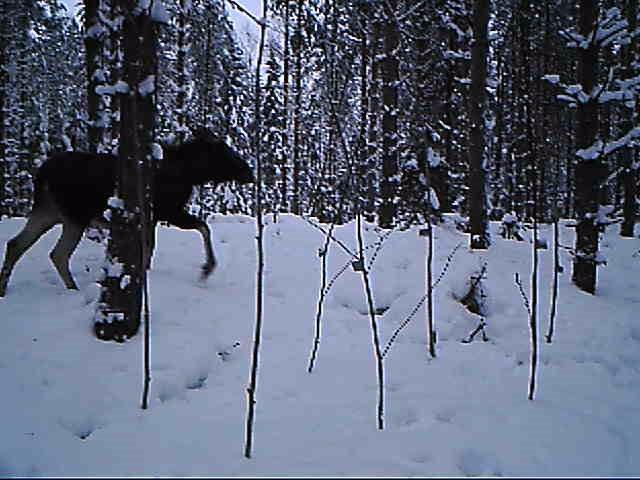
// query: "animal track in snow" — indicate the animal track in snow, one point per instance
point(472, 462)
point(80, 427)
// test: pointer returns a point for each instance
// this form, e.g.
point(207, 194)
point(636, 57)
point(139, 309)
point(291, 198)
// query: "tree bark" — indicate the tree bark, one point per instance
point(181, 67)
point(296, 206)
point(587, 172)
point(255, 359)
point(118, 317)
point(92, 42)
point(477, 157)
point(390, 79)
point(629, 174)
point(4, 57)
point(372, 119)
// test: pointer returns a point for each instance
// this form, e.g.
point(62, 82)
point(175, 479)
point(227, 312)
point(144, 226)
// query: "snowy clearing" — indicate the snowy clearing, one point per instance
point(70, 403)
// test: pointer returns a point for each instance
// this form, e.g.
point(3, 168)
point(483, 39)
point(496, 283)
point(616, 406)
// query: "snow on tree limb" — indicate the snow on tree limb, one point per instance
point(601, 149)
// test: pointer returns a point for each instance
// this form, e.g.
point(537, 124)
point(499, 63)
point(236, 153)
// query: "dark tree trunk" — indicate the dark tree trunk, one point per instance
point(4, 40)
point(629, 174)
point(364, 104)
point(477, 158)
point(92, 35)
point(296, 207)
point(390, 77)
point(119, 313)
point(372, 120)
point(181, 67)
point(116, 70)
point(587, 172)
point(284, 171)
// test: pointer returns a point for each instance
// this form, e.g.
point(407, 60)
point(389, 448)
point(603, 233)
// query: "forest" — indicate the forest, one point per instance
point(504, 120)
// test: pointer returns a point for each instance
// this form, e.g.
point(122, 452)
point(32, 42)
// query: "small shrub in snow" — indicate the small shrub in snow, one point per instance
point(474, 299)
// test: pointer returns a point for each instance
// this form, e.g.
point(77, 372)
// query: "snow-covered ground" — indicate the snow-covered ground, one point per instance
point(69, 404)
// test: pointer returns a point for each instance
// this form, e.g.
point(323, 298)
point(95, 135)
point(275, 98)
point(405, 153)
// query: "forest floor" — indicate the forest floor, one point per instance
point(70, 404)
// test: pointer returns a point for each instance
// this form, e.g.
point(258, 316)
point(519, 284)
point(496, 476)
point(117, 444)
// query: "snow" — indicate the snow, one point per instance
point(553, 79)
point(70, 403)
point(591, 153)
point(95, 31)
point(159, 12)
point(147, 86)
point(116, 202)
point(599, 148)
point(118, 87)
point(433, 158)
point(433, 198)
point(156, 151)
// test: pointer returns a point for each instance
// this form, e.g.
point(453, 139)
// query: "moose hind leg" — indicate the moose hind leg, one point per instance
point(38, 224)
point(61, 253)
point(210, 263)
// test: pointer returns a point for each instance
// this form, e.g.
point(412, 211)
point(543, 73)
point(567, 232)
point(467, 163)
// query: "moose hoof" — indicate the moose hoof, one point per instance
point(115, 331)
point(207, 269)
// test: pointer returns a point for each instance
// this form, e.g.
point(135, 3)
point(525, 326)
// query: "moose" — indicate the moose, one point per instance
point(73, 188)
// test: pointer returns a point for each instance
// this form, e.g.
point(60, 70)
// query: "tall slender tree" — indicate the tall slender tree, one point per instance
point(630, 168)
point(93, 35)
point(390, 80)
point(589, 170)
point(478, 161)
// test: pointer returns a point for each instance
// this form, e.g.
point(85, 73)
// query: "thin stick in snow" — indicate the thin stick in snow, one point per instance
point(556, 272)
point(533, 322)
point(251, 389)
point(324, 253)
point(372, 314)
point(429, 281)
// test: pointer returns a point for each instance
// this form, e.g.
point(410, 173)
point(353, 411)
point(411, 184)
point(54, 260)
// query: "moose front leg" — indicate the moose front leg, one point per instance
point(189, 222)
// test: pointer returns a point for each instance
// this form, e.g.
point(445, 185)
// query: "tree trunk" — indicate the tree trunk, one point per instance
point(629, 174)
point(284, 171)
point(479, 230)
point(118, 316)
point(390, 79)
point(92, 35)
point(364, 104)
point(4, 57)
point(255, 358)
point(372, 120)
point(587, 172)
point(181, 67)
point(296, 207)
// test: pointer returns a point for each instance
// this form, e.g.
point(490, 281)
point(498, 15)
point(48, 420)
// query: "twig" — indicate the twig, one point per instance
point(261, 23)
point(339, 242)
point(430, 320)
point(533, 316)
point(253, 379)
point(525, 299)
point(374, 326)
point(556, 271)
point(147, 367)
point(323, 289)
